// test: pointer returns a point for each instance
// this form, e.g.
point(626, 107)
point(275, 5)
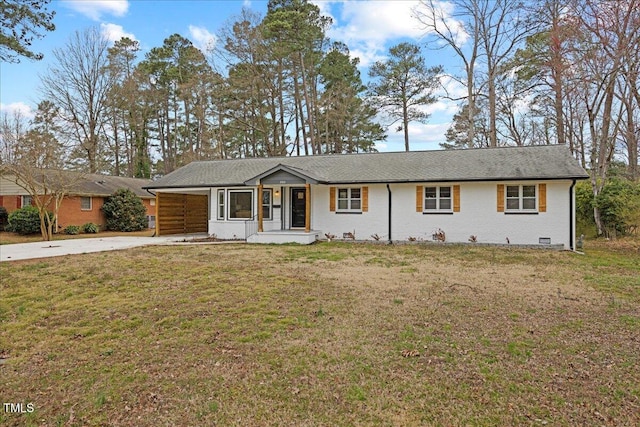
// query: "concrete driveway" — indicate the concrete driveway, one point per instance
point(21, 251)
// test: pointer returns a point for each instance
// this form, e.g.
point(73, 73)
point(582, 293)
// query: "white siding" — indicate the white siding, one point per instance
point(375, 221)
point(235, 228)
point(478, 216)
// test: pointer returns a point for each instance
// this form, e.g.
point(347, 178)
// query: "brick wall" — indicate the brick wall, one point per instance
point(70, 212)
point(10, 202)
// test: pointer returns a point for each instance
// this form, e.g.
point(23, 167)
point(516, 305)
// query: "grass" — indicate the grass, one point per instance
point(327, 334)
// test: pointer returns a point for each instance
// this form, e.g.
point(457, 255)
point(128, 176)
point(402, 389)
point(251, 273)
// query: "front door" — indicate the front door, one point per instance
point(298, 207)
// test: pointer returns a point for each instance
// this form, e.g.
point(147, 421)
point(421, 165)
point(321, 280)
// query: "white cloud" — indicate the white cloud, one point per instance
point(370, 27)
point(451, 88)
point(421, 137)
point(378, 21)
point(367, 26)
point(367, 54)
point(114, 32)
point(202, 38)
point(94, 9)
point(20, 108)
point(444, 21)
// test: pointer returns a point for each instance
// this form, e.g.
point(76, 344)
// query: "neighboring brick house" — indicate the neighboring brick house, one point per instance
point(84, 202)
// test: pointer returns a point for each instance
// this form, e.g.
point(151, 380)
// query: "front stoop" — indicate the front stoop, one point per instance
point(284, 236)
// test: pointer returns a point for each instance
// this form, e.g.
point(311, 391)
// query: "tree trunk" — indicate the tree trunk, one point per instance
point(307, 101)
point(405, 124)
point(471, 110)
point(493, 133)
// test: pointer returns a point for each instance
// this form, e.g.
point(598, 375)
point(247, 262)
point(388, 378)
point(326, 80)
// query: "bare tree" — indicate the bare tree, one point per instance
point(609, 32)
point(480, 32)
point(459, 32)
point(12, 127)
point(34, 162)
point(78, 83)
point(504, 25)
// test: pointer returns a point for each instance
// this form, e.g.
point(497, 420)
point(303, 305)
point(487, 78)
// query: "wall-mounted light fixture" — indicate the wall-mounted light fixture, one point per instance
point(277, 193)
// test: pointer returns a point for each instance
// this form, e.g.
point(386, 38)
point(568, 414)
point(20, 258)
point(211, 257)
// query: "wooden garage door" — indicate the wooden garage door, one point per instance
point(182, 213)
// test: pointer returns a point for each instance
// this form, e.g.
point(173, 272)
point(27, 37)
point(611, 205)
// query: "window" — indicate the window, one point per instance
point(437, 198)
point(85, 203)
point(221, 204)
point(521, 197)
point(266, 204)
point(27, 201)
point(349, 199)
point(240, 204)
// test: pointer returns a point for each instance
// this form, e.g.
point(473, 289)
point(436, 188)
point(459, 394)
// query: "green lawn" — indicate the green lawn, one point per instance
point(327, 334)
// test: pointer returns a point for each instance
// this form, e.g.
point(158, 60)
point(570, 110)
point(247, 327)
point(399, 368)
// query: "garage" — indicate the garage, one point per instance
point(181, 213)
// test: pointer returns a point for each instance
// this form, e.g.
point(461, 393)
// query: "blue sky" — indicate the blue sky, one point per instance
point(369, 28)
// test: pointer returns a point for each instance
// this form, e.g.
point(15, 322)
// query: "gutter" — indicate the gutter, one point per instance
point(389, 191)
point(373, 181)
point(571, 216)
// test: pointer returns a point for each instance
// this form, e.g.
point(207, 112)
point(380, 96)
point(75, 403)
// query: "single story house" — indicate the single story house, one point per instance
point(520, 195)
point(85, 199)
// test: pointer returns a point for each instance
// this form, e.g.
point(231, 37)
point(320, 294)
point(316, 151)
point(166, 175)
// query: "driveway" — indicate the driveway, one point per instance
point(20, 251)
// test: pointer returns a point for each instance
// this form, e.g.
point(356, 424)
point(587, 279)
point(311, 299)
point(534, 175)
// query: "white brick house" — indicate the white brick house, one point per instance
point(523, 195)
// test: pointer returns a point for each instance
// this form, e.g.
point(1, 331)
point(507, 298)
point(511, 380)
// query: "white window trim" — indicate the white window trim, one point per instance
point(22, 200)
point(349, 199)
point(90, 203)
point(520, 198)
point(270, 191)
point(437, 198)
point(220, 207)
point(228, 203)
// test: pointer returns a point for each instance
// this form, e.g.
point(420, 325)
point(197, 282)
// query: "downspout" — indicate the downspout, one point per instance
point(155, 231)
point(389, 191)
point(571, 216)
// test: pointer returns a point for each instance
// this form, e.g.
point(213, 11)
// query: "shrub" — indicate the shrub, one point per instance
point(25, 220)
point(124, 211)
point(90, 228)
point(4, 216)
point(72, 229)
point(619, 204)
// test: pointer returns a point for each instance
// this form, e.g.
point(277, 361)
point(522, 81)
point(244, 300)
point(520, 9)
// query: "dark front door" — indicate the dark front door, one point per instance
point(298, 207)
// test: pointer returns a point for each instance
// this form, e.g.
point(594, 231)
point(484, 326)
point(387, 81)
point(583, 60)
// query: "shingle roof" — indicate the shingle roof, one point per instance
point(105, 185)
point(86, 184)
point(489, 164)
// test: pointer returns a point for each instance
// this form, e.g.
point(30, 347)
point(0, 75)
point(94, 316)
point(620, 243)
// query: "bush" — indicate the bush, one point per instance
point(90, 228)
point(25, 221)
point(72, 229)
point(619, 204)
point(124, 211)
point(4, 217)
